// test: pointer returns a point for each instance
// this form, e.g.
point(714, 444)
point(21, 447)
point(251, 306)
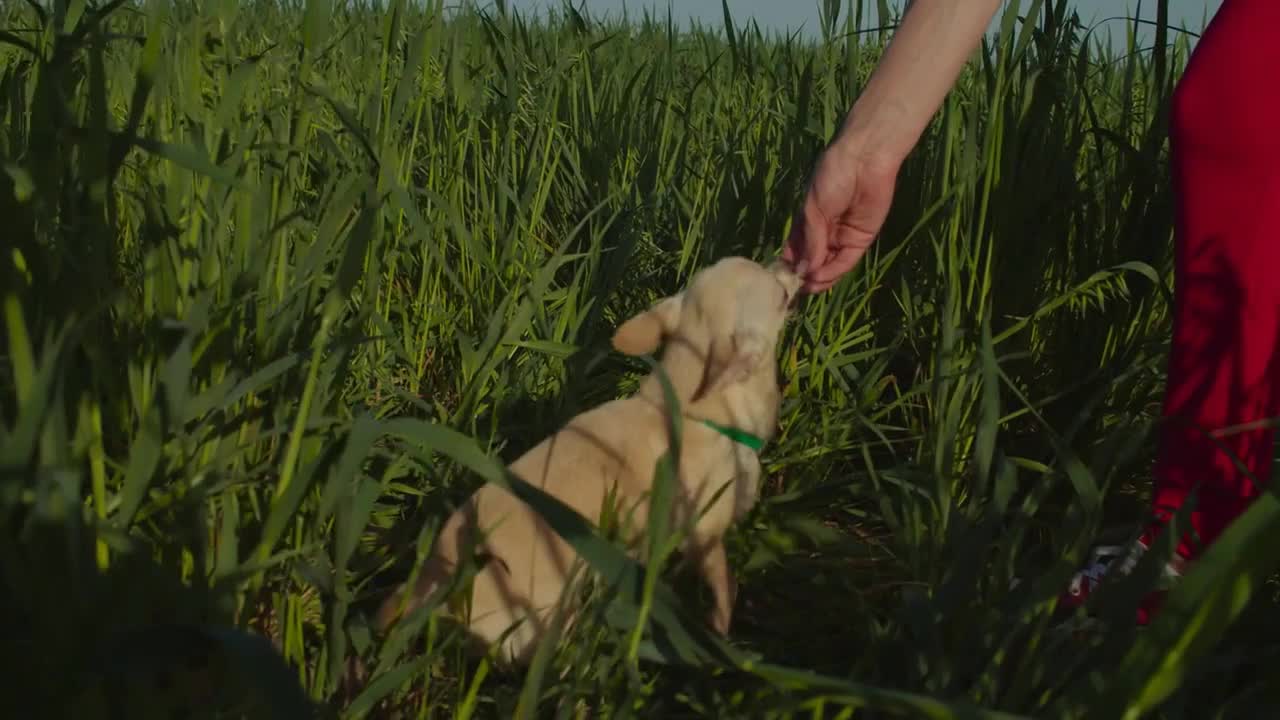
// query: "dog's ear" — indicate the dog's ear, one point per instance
point(643, 333)
point(733, 359)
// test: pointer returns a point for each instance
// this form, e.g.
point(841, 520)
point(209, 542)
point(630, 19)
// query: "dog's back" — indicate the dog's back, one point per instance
point(526, 563)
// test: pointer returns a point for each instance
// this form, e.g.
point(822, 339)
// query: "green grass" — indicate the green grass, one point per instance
point(282, 281)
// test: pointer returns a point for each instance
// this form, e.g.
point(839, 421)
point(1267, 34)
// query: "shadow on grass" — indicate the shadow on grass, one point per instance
point(144, 637)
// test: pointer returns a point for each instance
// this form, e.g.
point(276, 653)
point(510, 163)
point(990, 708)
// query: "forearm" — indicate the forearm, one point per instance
point(917, 70)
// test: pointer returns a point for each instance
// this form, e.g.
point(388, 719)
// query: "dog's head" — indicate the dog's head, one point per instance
point(721, 330)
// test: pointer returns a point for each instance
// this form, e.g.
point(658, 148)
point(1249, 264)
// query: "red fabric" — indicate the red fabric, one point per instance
point(1225, 145)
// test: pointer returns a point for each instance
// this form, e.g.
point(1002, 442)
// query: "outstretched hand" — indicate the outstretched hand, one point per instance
point(846, 205)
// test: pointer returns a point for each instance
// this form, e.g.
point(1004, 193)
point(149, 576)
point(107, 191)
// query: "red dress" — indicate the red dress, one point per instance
point(1224, 364)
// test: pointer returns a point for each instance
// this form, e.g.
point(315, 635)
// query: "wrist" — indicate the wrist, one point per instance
point(870, 146)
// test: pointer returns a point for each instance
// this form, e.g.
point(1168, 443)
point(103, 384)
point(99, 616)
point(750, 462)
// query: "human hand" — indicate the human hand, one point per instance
point(846, 205)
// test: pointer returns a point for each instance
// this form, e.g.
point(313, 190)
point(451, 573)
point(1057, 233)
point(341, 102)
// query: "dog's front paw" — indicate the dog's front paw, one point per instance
point(720, 620)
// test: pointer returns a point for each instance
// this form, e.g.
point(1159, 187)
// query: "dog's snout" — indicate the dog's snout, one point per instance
point(791, 278)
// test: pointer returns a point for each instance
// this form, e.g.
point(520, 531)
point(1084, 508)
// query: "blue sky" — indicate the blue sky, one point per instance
point(783, 14)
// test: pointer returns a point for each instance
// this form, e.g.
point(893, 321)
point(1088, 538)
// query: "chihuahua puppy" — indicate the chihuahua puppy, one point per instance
point(719, 338)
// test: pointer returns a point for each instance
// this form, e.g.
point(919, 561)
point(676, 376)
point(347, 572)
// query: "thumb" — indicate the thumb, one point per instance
point(796, 247)
point(810, 241)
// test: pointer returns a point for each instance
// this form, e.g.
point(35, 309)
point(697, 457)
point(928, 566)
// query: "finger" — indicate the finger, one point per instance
point(818, 288)
point(814, 287)
point(805, 245)
point(838, 264)
point(815, 235)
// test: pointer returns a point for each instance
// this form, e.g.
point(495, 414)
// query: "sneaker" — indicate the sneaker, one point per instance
point(1122, 559)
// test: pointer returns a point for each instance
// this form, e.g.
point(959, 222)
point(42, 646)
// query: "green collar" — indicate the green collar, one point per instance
point(741, 437)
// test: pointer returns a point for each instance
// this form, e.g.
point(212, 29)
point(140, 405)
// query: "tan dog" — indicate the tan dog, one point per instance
point(720, 336)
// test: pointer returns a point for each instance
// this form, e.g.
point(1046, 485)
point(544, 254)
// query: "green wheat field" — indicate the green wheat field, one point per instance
point(282, 282)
